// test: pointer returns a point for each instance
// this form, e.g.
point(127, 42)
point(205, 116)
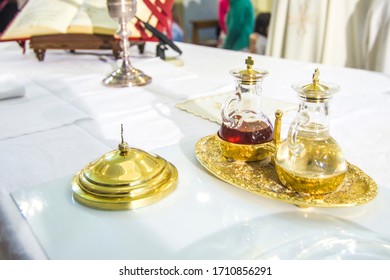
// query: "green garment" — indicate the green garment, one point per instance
point(240, 24)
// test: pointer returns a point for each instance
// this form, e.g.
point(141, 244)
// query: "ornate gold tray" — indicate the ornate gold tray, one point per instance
point(260, 178)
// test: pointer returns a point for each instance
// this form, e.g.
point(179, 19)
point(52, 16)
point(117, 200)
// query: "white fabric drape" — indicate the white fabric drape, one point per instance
point(324, 31)
point(376, 44)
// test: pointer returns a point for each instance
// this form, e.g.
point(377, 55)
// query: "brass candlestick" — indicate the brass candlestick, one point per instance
point(126, 75)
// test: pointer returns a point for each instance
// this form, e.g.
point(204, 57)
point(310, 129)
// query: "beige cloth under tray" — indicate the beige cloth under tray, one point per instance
point(210, 107)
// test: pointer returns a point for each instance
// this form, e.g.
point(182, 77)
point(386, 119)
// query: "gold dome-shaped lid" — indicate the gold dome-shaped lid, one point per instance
point(249, 75)
point(316, 91)
point(125, 178)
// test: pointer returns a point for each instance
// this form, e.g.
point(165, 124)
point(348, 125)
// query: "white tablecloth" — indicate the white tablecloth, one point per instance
point(34, 155)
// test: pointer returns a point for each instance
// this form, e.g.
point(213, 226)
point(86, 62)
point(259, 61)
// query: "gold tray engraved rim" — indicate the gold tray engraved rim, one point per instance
point(260, 178)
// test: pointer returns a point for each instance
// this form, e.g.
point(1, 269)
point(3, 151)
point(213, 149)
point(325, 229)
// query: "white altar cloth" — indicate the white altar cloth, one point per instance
point(205, 208)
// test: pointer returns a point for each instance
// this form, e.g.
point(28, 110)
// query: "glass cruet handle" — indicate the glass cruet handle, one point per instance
point(301, 119)
point(227, 117)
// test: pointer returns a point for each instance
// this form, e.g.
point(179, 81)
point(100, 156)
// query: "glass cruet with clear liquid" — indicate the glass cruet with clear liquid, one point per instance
point(310, 160)
point(243, 122)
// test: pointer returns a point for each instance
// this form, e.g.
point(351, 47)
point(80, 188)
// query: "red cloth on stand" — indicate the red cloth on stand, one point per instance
point(163, 12)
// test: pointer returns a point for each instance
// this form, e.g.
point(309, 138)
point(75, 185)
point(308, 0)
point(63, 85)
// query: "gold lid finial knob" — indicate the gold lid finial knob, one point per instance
point(315, 86)
point(123, 146)
point(250, 75)
point(122, 133)
point(249, 63)
point(316, 75)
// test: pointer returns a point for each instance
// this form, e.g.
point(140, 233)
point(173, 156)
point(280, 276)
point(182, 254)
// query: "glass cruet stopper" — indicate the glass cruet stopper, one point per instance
point(243, 122)
point(310, 160)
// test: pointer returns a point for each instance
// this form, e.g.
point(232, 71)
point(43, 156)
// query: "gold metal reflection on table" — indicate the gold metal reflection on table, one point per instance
point(125, 178)
point(260, 178)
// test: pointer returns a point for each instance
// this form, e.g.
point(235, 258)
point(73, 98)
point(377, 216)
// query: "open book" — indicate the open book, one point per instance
point(47, 17)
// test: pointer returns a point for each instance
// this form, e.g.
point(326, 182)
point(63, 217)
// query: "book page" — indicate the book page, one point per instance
point(42, 17)
point(45, 17)
point(93, 17)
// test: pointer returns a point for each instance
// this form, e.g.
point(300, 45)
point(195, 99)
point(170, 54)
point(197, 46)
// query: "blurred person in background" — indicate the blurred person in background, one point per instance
point(223, 7)
point(258, 39)
point(239, 25)
point(177, 31)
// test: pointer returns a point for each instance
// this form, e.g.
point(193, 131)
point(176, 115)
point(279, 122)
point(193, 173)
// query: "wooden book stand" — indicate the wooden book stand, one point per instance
point(75, 42)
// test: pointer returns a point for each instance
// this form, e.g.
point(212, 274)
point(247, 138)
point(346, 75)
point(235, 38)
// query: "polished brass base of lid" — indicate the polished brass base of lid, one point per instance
point(125, 178)
point(130, 199)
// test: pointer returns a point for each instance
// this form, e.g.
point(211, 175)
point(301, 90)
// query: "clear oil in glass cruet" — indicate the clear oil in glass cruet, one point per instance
point(310, 160)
